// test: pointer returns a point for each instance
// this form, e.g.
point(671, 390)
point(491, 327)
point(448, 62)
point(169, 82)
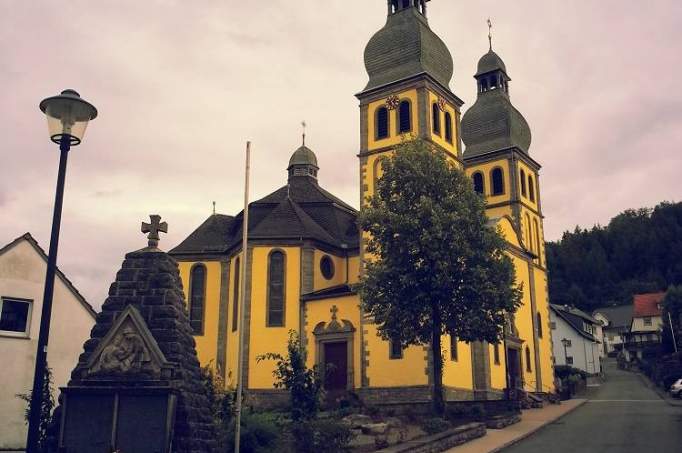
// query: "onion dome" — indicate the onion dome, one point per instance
point(493, 123)
point(406, 47)
point(303, 163)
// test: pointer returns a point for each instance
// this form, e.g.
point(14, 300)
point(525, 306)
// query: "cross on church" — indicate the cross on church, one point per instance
point(154, 228)
point(490, 33)
point(334, 310)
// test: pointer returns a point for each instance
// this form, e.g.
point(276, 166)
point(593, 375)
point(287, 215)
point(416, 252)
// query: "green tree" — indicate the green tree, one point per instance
point(672, 313)
point(438, 267)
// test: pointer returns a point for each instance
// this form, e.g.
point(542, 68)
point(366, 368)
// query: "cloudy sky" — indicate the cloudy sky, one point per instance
point(180, 87)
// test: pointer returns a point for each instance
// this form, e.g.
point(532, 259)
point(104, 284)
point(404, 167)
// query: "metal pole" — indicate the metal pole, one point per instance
point(33, 437)
point(672, 331)
point(245, 240)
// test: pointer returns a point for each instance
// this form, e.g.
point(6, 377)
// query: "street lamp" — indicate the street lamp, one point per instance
point(565, 342)
point(67, 117)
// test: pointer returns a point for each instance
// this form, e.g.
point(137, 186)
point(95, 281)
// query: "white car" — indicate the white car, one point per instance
point(676, 389)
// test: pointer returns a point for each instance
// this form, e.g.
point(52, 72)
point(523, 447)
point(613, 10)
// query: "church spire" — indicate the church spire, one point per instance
point(303, 162)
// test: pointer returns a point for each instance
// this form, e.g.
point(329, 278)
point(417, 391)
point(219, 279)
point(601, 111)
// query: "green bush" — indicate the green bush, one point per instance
point(320, 436)
point(435, 425)
point(260, 433)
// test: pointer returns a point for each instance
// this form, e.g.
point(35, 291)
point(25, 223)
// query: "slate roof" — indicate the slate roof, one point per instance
point(299, 210)
point(406, 47)
point(575, 317)
point(490, 62)
point(303, 156)
point(618, 317)
point(647, 304)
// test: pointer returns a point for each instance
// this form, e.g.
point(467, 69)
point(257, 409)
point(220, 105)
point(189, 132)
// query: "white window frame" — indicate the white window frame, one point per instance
point(26, 333)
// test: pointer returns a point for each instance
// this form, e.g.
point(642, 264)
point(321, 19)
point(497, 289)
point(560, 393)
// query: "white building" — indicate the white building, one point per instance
point(22, 275)
point(616, 321)
point(644, 337)
point(574, 340)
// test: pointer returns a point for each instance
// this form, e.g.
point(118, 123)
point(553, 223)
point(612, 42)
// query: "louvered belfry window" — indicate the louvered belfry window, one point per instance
point(405, 117)
point(382, 123)
point(276, 290)
point(197, 299)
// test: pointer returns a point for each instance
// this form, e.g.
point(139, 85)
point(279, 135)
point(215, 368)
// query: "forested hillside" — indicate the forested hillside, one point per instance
point(639, 251)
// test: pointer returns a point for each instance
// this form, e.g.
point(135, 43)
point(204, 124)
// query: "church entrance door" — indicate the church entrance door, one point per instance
point(336, 363)
point(514, 368)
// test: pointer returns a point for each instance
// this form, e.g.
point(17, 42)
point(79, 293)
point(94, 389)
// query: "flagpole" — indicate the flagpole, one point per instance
point(244, 267)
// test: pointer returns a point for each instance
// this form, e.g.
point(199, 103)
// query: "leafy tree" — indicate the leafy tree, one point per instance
point(439, 268)
point(672, 313)
point(221, 404)
point(45, 410)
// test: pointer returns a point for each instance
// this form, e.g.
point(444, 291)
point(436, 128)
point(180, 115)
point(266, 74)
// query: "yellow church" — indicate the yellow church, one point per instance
point(305, 252)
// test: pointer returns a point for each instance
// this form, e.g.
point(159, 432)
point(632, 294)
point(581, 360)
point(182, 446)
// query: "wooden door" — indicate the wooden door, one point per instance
point(336, 361)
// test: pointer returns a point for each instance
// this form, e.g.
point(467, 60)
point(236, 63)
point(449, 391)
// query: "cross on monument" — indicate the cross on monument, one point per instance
point(334, 310)
point(154, 228)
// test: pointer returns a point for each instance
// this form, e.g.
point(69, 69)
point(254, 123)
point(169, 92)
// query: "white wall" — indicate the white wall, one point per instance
point(638, 324)
point(22, 275)
point(585, 353)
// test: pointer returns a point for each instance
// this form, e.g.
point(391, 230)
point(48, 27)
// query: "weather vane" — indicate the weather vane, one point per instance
point(303, 125)
point(490, 33)
point(214, 208)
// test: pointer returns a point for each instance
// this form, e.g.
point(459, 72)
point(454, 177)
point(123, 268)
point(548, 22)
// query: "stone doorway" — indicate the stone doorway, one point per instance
point(336, 364)
point(334, 346)
point(514, 368)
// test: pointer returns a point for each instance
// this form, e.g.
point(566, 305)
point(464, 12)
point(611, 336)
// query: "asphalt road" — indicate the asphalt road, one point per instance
point(621, 416)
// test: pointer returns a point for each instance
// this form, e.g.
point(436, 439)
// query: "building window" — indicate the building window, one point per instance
point(528, 367)
point(552, 325)
point(496, 353)
point(524, 192)
point(436, 119)
point(327, 267)
point(15, 316)
point(647, 321)
point(497, 177)
point(539, 320)
point(479, 184)
point(395, 349)
point(454, 353)
point(448, 127)
point(197, 298)
point(569, 360)
point(537, 240)
point(235, 296)
point(382, 123)
point(276, 290)
point(405, 115)
point(531, 188)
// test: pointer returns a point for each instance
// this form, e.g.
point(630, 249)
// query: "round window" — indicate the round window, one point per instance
point(327, 267)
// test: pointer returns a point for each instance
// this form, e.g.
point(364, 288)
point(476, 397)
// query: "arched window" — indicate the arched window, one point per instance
point(235, 296)
point(479, 184)
point(524, 192)
point(529, 238)
point(528, 367)
point(448, 127)
point(395, 349)
point(406, 3)
point(454, 353)
point(496, 353)
point(197, 298)
point(536, 229)
point(531, 188)
point(436, 118)
point(405, 115)
point(276, 290)
point(539, 322)
point(382, 128)
point(497, 178)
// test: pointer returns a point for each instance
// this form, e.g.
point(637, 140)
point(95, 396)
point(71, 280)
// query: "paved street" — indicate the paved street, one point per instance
point(622, 416)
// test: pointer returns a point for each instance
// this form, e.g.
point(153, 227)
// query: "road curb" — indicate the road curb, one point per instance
point(536, 429)
point(662, 394)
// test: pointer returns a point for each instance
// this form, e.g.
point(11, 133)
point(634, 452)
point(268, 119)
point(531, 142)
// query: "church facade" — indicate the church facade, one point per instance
point(305, 252)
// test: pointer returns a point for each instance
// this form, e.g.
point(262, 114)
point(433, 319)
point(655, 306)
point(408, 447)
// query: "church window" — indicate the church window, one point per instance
point(235, 296)
point(537, 239)
point(327, 267)
point(436, 119)
point(496, 353)
point(479, 184)
point(382, 123)
point(497, 177)
point(531, 188)
point(484, 85)
point(406, 3)
point(15, 316)
point(539, 321)
point(528, 367)
point(405, 114)
point(197, 298)
point(395, 347)
point(448, 127)
point(454, 353)
point(524, 192)
point(529, 240)
point(276, 290)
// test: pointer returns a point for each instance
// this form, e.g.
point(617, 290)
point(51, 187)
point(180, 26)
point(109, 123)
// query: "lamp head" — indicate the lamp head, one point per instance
point(67, 116)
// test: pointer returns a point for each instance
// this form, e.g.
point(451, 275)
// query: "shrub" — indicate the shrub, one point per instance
point(260, 433)
point(435, 425)
point(320, 436)
point(45, 409)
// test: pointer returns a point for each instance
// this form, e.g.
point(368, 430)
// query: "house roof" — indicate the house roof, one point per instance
point(574, 318)
point(618, 316)
point(328, 293)
point(29, 238)
point(299, 210)
point(647, 304)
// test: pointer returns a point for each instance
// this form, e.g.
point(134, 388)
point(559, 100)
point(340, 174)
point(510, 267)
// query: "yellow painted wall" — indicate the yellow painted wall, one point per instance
point(526, 199)
point(207, 344)
point(498, 373)
point(528, 222)
point(440, 138)
point(394, 138)
point(320, 311)
point(546, 352)
point(339, 278)
point(486, 168)
point(457, 374)
point(271, 339)
point(385, 372)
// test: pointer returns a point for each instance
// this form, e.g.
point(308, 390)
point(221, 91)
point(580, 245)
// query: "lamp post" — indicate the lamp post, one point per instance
point(67, 117)
point(565, 342)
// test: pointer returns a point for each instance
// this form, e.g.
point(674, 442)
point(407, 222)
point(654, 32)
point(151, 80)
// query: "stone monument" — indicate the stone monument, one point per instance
point(137, 386)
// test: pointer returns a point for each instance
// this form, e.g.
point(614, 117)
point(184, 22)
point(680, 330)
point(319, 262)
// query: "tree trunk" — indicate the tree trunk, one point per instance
point(437, 363)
